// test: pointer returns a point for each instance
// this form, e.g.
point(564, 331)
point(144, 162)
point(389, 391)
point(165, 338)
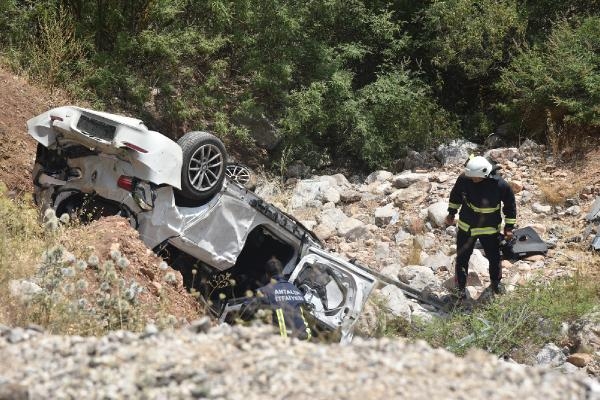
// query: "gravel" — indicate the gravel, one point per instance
point(253, 363)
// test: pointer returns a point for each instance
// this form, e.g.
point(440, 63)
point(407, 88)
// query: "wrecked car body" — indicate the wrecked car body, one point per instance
point(214, 231)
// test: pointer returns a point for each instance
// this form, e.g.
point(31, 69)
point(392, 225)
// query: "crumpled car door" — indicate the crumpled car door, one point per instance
point(336, 290)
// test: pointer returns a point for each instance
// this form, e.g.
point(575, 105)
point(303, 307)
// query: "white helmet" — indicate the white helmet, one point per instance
point(478, 167)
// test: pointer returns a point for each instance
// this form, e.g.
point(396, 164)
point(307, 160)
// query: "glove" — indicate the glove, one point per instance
point(449, 219)
point(508, 233)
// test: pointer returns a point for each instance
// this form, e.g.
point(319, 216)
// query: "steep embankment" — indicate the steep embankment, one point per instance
point(20, 101)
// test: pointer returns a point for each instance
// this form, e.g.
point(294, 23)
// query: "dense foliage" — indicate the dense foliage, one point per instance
point(345, 82)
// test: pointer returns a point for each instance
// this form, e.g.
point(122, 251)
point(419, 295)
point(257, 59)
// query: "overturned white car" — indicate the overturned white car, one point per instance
point(214, 231)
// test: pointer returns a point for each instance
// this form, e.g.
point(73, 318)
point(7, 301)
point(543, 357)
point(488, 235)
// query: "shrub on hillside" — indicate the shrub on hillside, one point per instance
point(372, 126)
point(553, 88)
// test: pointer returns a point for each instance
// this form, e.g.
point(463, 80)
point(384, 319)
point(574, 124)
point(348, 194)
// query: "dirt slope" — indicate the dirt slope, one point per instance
point(20, 101)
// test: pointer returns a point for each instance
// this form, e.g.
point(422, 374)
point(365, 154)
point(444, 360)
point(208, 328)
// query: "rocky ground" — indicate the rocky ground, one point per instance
point(391, 222)
point(245, 363)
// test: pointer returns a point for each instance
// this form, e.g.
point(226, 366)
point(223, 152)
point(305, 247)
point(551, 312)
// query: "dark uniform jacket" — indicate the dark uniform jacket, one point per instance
point(480, 205)
point(286, 301)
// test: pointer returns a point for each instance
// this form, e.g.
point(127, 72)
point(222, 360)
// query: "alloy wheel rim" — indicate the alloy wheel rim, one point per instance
point(238, 174)
point(205, 167)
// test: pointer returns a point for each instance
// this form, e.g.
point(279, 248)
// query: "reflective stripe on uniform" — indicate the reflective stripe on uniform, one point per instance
point(463, 225)
point(308, 332)
point(454, 206)
point(486, 230)
point(483, 210)
point(281, 322)
point(510, 221)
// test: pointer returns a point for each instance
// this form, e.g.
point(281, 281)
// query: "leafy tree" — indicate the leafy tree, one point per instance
point(475, 36)
point(555, 86)
point(465, 45)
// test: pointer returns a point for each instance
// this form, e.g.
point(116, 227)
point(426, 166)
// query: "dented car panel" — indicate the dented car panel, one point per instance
point(125, 138)
point(118, 163)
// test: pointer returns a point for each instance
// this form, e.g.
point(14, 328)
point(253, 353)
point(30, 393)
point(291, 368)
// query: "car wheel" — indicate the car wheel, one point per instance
point(203, 169)
point(242, 175)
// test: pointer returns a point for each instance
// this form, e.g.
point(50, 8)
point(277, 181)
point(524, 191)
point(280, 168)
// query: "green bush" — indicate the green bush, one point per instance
point(372, 126)
point(475, 36)
point(554, 88)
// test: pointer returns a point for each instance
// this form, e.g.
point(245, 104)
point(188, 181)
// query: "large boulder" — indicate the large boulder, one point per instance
point(378, 176)
point(455, 152)
point(308, 192)
point(502, 154)
point(439, 260)
point(331, 217)
point(413, 160)
point(437, 213)
point(353, 230)
point(396, 301)
point(350, 196)
point(417, 276)
point(414, 194)
point(407, 178)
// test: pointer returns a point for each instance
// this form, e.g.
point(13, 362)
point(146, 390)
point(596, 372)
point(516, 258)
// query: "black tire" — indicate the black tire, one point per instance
point(203, 169)
point(242, 175)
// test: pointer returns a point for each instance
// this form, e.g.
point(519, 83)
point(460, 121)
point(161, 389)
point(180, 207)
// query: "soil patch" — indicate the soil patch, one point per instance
point(163, 293)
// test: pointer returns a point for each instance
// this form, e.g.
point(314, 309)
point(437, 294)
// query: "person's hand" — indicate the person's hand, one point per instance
point(449, 220)
point(508, 234)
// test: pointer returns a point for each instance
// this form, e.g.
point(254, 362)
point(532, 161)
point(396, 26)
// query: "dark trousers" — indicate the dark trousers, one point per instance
point(464, 249)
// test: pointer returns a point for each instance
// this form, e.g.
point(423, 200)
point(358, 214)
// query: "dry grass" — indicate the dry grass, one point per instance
point(84, 280)
point(21, 242)
point(556, 192)
point(414, 254)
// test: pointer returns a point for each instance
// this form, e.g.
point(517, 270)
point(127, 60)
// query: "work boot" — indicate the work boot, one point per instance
point(498, 288)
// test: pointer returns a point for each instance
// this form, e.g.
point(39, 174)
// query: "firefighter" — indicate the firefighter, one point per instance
point(285, 301)
point(480, 195)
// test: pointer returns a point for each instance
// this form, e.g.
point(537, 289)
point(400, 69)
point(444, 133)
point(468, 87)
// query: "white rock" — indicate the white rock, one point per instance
point(541, 208)
point(353, 229)
point(426, 241)
point(331, 195)
point(551, 355)
point(23, 290)
point(437, 213)
point(407, 178)
point(402, 236)
point(308, 192)
point(439, 260)
point(378, 176)
point(414, 194)
point(385, 215)
point(478, 263)
point(341, 180)
point(331, 217)
point(417, 276)
point(382, 251)
point(573, 210)
point(396, 301)
point(391, 271)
